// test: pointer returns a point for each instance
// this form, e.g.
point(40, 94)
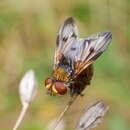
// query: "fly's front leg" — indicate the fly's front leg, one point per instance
point(72, 88)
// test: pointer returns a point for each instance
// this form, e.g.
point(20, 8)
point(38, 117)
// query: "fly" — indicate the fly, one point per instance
point(73, 60)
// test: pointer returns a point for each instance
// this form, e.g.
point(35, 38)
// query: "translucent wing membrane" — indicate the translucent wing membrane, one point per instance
point(90, 49)
point(67, 30)
point(79, 52)
point(66, 37)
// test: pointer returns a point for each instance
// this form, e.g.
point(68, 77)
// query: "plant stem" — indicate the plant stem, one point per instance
point(21, 116)
point(71, 101)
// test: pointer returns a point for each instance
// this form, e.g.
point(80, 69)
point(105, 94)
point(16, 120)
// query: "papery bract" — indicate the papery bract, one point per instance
point(92, 116)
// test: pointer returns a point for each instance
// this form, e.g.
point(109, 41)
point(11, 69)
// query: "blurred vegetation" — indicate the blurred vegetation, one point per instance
point(28, 30)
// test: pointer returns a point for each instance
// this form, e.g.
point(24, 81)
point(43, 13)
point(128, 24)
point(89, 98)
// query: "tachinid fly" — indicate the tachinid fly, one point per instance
point(74, 56)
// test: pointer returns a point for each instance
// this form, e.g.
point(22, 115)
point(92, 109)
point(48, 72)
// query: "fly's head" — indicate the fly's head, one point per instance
point(55, 87)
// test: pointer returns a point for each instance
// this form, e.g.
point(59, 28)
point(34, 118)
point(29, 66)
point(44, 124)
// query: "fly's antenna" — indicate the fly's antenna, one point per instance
point(68, 105)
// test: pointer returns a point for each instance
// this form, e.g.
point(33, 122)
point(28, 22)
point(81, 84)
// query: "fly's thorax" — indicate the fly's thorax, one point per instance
point(62, 73)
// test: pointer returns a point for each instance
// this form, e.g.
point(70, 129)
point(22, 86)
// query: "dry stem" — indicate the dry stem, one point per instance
point(68, 105)
point(21, 116)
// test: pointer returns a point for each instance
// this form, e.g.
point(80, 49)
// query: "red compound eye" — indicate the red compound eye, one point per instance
point(48, 82)
point(60, 88)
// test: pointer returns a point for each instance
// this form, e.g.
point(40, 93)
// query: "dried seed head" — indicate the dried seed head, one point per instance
point(92, 116)
point(28, 87)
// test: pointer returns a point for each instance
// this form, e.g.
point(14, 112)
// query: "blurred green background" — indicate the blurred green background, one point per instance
point(28, 30)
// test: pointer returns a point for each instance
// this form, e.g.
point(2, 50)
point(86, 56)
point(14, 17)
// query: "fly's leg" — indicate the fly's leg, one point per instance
point(72, 88)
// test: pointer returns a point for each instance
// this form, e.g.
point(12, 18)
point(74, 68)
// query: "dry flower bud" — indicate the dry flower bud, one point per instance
point(28, 87)
point(92, 116)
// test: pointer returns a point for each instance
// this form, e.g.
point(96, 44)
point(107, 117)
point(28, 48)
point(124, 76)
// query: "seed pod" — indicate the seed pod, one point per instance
point(28, 87)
